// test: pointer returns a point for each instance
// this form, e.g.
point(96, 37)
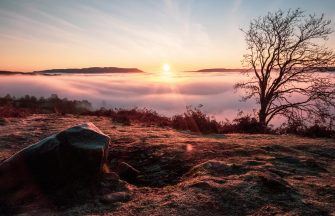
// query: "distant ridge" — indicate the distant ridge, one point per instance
point(11, 72)
point(322, 69)
point(90, 70)
point(220, 70)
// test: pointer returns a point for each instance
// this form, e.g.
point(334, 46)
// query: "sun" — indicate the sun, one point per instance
point(166, 74)
point(166, 68)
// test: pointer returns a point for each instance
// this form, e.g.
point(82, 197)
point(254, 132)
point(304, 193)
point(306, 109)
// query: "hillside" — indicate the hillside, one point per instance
point(187, 174)
point(13, 73)
point(322, 69)
point(220, 70)
point(90, 70)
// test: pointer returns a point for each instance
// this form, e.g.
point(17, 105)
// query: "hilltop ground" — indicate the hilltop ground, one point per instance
point(189, 174)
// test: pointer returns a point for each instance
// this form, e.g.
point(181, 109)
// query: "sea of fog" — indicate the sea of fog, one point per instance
point(168, 94)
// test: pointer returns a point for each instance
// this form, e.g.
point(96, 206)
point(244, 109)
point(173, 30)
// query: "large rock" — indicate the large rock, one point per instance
point(74, 156)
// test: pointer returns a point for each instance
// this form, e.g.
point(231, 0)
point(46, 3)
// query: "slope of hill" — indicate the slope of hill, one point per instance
point(186, 174)
point(90, 70)
point(12, 73)
point(323, 69)
point(220, 70)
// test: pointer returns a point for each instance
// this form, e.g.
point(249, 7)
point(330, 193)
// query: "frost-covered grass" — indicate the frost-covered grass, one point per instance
point(191, 174)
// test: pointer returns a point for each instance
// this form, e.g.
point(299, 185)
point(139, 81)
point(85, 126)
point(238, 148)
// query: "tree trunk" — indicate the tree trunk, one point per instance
point(262, 117)
point(264, 104)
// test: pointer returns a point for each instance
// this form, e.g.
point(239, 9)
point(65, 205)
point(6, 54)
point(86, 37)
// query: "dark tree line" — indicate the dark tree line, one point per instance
point(52, 104)
point(193, 119)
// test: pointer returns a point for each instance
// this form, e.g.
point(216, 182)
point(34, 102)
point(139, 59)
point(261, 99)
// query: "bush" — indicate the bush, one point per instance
point(123, 119)
point(318, 131)
point(292, 126)
point(146, 116)
point(244, 124)
point(300, 127)
point(193, 119)
point(3, 122)
point(248, 124)
point(15, 106)
point(196, 121)
point(125, 116)
point(10, 111)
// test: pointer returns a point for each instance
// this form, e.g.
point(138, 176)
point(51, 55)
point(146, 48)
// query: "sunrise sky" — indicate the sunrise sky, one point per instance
point(186, 34)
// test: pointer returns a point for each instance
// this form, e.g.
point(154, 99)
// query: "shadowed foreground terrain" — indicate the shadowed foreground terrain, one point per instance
point(189, 174)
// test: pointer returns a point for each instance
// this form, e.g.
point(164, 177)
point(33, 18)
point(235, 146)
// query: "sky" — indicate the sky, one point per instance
point(187, 34)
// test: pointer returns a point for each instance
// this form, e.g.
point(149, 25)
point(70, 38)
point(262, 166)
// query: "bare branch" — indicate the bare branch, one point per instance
point(287, 57)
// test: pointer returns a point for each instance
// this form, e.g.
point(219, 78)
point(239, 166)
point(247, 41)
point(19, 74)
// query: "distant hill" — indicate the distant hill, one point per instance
point(327, 69)
point(322, 69)
point(12, 73)
point(90, 70)
point(220, 70)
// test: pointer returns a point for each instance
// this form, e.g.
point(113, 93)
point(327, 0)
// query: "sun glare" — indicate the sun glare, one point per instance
point(166, 74)
point(166, 67)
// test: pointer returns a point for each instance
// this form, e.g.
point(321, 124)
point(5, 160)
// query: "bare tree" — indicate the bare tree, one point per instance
point(285, 57)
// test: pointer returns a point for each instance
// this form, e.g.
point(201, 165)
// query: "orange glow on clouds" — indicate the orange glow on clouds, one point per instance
point(189, 35)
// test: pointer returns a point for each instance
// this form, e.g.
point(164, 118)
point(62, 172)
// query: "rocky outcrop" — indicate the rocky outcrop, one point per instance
point(75, 156)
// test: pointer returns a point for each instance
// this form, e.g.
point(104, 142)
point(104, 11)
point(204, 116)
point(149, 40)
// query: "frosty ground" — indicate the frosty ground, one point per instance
point(190, 174)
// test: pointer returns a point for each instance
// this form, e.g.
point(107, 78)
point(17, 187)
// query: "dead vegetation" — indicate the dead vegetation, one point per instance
point(191, 174)
point(194, 119)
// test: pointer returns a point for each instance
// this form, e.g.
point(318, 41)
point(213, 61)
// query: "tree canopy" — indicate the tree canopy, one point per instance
point(286, 56)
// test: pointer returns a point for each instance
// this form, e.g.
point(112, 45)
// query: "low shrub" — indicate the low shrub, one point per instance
point(122, 119)
point(193, 119)
point(318, 131)
point(2, 121)
point(53, 104)
point(244, 124)
point(10, 111)
point(196, 121)
point(126, 116)
point(248, 124)
point(301, 128)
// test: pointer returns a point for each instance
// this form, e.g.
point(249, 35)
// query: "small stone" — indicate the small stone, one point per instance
point(127, 172)
point(154, 168)
point(111, 176)
point(115, 197)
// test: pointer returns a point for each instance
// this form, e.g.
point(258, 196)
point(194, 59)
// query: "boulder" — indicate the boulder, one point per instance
point(74, 156)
